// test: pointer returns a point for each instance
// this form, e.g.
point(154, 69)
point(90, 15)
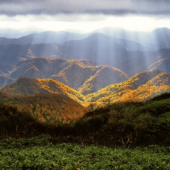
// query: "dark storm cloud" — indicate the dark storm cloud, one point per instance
point(116, 7)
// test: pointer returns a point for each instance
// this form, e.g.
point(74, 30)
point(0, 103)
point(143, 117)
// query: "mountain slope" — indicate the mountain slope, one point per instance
point(75, 74)
point(11, 54)
point(89, 79)
point(45, 106)
point(102, 49)
point(154, 40)
point(39, 67)
point(44, 66)
point(156, 86)
point(5, 80)
point(103, 77)
point(131, 88)
point(32, 86)
point(162, 62)
point(112, 52)
point(140, 87)
point(95, 47)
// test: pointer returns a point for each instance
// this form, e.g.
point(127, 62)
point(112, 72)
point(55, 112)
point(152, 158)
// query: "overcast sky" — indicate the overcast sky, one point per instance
point(84, 15)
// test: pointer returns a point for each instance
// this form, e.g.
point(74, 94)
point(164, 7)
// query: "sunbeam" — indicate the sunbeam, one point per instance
point(85, 72)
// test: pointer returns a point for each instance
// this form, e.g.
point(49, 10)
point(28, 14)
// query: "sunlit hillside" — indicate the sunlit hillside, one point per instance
point(105, 76)
point(32, 86)
point(45, 107)
point(140, 87)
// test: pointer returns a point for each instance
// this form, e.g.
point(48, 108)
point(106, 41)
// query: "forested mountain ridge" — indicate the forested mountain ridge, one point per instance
point(32, 86)
point(74, 73)
point(45, 107)
point(140, 87)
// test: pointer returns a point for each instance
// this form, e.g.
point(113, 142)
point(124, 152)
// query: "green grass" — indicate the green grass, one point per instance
point(41, 153)
point(129, 135)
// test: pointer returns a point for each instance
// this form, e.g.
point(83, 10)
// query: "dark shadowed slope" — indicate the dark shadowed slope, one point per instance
point(47, 107)
point(75, 74)
point(97, 47)
point(162, 62)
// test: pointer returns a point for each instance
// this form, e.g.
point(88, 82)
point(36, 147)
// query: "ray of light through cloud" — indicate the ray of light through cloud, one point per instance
point(131, 36)
point(88, 22)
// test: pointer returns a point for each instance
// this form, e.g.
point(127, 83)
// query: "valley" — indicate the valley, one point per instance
point(103, 67)
point(97, 99)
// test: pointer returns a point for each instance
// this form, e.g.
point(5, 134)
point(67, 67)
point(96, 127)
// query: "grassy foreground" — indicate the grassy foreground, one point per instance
point(40, 153)
point(123, 136)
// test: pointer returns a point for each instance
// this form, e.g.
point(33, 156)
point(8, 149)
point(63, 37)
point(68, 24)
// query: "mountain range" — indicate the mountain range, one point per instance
point(45, 105)
point(80, 73)
point(140, 87)
point(104, 65)
point(119, 49)
point(153, 40)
